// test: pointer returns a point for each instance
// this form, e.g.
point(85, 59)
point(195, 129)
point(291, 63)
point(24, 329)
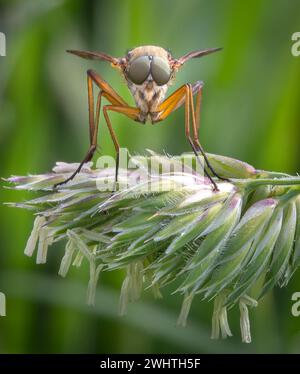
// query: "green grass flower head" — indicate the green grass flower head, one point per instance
point(173, 229)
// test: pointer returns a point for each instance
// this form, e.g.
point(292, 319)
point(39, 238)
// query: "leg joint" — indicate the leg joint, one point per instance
point(91, 73)
point(106, 108)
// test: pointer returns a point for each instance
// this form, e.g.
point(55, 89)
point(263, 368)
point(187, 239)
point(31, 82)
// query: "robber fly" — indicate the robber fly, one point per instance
point(148, 71)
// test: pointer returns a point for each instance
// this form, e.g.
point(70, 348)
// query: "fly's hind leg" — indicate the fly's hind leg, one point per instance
point(173, 102)
point(190, 107)
point(184, 95)
point(93, 142)
point(196, 125)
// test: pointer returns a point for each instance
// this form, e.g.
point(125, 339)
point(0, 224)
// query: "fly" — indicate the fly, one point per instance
point(148, 71)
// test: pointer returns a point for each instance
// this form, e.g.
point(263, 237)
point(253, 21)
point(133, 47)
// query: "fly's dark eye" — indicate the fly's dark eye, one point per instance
point(139, 69)
point(160, 70)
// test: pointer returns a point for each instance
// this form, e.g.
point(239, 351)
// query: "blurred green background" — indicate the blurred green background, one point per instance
point(250, 111)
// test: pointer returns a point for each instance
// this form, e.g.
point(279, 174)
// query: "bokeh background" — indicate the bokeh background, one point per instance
point(250, 111)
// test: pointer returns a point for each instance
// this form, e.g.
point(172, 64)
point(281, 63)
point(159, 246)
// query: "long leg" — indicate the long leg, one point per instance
point(129, 112)
point(189, 103)
point(108, 92)
point(117, 102)
point(181, 96)
point(196, 124)
point(198, 107)
point(93, 142)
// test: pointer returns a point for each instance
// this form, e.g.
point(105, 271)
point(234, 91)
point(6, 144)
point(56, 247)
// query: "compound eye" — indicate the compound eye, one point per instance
point(139, 69)
point(160, 70)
